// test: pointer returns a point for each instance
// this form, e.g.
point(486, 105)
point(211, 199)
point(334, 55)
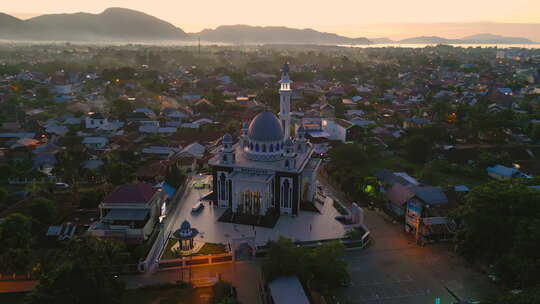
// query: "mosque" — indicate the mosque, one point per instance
point(266, 169)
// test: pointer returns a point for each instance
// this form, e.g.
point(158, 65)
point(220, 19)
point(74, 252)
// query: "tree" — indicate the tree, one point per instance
point(3, 197)
point(285, 259)
point(175, 176)
point(535, 132)
point(15, 260)
point(329, 271)
point(119, 173)
point(121, 108)
point(501, 227)
point(15, 231)
point(44, 211)
point(418, 148)
point(321, 268)
point(89, 260)
point(6, 171)
point(16, 236)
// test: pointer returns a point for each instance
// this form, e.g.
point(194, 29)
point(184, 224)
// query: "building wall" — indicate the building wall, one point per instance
point(335, 131)
point(215, 176)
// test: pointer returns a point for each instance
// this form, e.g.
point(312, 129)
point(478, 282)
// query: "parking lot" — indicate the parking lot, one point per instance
point(395, 270)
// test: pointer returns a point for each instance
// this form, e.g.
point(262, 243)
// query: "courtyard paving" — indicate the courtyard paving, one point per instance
point(306, 226)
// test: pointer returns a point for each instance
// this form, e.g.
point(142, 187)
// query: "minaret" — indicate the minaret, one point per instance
point(227, 154)
point(244, 139)
point(285, 101)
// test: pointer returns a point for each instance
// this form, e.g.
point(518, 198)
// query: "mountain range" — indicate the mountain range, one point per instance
point(115, 24)
point(239, 34)
point(473, 39)
point(120, 24)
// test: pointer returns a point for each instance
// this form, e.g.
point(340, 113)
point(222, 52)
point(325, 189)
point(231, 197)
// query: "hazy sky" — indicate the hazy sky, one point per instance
point(336, 15)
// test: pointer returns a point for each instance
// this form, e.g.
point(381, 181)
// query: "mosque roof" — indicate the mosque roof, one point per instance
point(265, 127)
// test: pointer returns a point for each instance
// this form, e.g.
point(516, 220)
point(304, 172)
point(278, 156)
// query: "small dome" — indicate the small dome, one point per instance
point(185, 225)
point(265, 127)
point(288, 143)
point(227, 138)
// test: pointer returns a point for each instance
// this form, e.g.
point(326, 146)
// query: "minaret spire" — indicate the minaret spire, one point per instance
point(285, 101)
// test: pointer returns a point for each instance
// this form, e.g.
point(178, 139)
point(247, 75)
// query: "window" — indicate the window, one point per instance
point(251, 146)
point(222, 192)
point(264, 147)
point(287, 163)
point(256, 147)
point(225, 157)
point(286, 195)
point(271, 147)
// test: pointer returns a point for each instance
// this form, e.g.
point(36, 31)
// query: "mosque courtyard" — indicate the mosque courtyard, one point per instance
point(307, 226)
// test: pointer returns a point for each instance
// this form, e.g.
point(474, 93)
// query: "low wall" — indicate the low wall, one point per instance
point(198, 260)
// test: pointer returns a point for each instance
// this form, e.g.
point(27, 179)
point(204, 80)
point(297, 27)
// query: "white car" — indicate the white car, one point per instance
point(61, 186)
point(197, 208)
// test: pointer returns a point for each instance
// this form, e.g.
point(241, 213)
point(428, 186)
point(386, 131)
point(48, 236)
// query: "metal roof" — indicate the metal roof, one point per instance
point(430, 195)
point(126, 214)
point(286, 290)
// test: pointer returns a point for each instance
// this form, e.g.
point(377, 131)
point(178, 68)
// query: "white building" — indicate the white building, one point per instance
point(267, 169)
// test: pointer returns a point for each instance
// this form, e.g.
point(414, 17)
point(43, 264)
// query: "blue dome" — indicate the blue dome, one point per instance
point(265, 127)
point(185, 226)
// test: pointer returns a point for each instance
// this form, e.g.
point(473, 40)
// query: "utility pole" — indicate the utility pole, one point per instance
point(199, 48)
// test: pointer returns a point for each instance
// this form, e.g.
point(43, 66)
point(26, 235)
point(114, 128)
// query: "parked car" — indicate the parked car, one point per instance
point(197, 208)
point(61, 186)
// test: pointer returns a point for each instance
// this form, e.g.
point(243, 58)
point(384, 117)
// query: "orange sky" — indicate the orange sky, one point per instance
point(341, 16)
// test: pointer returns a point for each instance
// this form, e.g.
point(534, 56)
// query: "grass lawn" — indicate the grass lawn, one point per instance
point(207, 248)
point(168, 253)
point(212, 248)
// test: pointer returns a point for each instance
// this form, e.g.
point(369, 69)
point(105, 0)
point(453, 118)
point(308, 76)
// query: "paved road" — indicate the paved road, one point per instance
point(243, 275)
point(395, 270)
point(17, 286)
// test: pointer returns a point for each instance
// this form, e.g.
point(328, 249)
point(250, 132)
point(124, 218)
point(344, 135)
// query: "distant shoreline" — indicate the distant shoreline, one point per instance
point(171, 43)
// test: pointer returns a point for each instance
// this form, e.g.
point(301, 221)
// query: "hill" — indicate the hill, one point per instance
point(239, 34)
point(7, 21)
point(427, 40)
point(117, 24)
point(474, 39)
point(490, 38)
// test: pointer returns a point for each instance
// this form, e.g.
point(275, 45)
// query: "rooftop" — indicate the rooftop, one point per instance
point(139, 193)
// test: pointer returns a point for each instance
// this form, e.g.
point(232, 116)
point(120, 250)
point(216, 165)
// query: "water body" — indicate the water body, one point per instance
point(406, 45)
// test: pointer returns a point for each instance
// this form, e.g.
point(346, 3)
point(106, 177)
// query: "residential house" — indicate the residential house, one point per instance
point(503, 173)
point(95, 120)
point(427, 213)
point(94, 142)
point(415, 122)
point(397, 197)
point(161, 152)
point(339, 129)
point(129, 214)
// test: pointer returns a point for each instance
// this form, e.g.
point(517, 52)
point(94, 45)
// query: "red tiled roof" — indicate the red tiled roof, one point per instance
point(140, 193)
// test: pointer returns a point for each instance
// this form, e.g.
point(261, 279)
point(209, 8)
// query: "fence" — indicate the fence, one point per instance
point(201, 260)
point(160, 242)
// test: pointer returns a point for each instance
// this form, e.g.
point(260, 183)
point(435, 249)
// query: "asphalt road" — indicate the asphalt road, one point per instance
point(396, 270)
